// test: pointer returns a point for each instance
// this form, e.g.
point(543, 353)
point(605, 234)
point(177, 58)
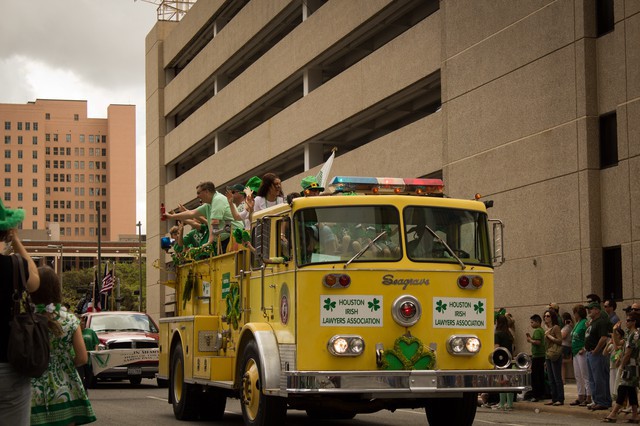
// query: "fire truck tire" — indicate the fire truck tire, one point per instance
point(183, 395)
point(212, 405)
point(258, 409)
point(162, 383)
point(452, 411)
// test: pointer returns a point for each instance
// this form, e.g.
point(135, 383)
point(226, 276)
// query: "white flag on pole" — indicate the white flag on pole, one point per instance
point(323, 175)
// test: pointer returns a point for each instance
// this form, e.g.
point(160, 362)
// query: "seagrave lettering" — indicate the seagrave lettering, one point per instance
point(389, 279)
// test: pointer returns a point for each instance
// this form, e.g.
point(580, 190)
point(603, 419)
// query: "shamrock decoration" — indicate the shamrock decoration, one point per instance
point(441, 307)
point(329, 305)
point(375, 305)
point(408, 353)
point(479, 307)
point(233, 305)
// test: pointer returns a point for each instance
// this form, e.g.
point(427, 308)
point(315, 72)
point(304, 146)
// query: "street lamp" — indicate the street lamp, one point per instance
point(139, 225)
point(61, 248)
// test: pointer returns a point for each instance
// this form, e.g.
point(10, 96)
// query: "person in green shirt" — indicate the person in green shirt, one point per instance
point(537, 358)
point(580, 368)
point(91, 342)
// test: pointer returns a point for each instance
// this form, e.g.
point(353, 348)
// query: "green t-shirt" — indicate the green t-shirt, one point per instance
point(90, 341)
point(577, 336)
point(219, 209)
point(538, 351)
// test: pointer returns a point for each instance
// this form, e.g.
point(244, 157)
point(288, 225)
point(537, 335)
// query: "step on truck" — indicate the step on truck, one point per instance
point(378, 296)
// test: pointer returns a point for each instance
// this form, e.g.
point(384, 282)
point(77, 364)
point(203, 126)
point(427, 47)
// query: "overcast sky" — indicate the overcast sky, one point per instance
point(89, 50)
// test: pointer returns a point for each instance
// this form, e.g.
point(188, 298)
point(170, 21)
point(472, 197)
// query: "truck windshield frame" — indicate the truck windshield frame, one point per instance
point(464, 231)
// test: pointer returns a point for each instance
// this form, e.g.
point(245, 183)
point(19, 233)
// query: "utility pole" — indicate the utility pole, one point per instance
point(139, 225)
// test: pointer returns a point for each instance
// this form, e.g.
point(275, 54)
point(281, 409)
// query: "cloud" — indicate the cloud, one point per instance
point(92, 50)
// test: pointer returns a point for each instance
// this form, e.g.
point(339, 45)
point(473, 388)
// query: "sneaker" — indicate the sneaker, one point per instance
point(497, 407)
point(583, 404)
point(576, 402)
point(533, 400)
point(557, 403)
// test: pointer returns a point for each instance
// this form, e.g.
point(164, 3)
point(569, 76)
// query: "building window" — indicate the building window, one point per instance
point(34, 168)
point(608, 140)
point(76, 117)
point(19, 125)
point(7, 168)
point(612, 272)
point(19, 153)
point(68, 137)
point(34, 211)
point(47, 137)
point(34, 225)
point(34, 183)
point(7, 196)
point(19, 196)
point(604, 16)
point(27, 126)
point(55, 137)
point(35, 196)
point(19, 140)
point(47, 116)
point(7, 153)
point(7, 125)
point(7, 139)
point(35, 154)
point(19, 182)
point(35, 126)
point(19, 168)
point(82, 138)
point(34, 140)
point(7, 182)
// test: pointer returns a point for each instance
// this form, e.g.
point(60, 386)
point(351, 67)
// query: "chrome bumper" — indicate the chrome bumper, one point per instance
point(410, 382)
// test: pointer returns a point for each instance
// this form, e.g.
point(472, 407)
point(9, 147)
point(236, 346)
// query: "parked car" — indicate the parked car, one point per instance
point(125, 330)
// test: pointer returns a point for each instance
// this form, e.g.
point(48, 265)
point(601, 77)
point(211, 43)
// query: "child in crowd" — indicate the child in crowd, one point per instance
point(537, 358)
point(58, 395)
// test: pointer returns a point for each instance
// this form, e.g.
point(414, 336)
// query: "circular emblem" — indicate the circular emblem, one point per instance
point(284, 304)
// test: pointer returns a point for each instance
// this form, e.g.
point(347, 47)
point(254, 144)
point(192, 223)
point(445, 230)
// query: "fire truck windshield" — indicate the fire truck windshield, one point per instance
point(337, 234)
point(458, 233)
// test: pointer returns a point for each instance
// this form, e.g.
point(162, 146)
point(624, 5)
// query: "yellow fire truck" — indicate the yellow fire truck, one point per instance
point(378, 296)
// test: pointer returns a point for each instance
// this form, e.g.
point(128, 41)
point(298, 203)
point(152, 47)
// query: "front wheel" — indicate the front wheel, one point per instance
point(452, 411)
point(257, 408)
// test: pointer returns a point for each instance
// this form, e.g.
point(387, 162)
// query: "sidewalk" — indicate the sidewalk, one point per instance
point(570, 395)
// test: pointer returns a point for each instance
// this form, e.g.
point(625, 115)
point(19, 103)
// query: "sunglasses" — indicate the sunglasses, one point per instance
point(547, 316)
point(629, 319)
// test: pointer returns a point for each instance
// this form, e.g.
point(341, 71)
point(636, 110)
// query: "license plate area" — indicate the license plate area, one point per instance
point(134, 371)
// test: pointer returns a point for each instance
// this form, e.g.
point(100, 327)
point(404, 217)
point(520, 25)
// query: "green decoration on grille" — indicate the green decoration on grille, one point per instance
point(408, 353)
point(233, 305)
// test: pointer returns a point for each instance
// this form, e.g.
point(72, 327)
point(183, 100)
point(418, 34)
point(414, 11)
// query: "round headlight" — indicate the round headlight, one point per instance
point(457, 344)
point(340, 345)
point(473, 345)
point(357, 345)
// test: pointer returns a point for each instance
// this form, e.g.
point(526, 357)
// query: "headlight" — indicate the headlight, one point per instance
point(347, 345)
point(463, 345)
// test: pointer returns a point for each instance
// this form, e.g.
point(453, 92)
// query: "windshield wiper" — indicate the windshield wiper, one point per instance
point(462, 265)
point(365, 248)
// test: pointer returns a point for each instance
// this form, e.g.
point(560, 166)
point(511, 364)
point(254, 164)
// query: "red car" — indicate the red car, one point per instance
point(125, 330)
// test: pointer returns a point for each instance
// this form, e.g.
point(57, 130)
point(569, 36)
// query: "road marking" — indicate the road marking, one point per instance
point(155, 397)
point(495, 423)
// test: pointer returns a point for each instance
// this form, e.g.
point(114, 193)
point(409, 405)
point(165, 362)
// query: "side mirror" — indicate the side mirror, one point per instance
point(497, 242)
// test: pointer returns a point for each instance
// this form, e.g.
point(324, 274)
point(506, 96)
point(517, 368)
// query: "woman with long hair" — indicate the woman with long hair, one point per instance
point(503, 338)
point(269, 193)
point(553, 338)
point(580, 368)
point(58, 395)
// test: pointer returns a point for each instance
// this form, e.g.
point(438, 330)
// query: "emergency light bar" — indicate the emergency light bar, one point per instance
point(387, 185)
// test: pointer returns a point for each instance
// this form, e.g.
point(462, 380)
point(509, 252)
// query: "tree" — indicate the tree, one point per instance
point(78, 284)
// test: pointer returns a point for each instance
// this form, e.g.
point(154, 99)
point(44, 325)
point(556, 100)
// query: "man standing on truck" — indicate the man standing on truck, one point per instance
point(215, 208)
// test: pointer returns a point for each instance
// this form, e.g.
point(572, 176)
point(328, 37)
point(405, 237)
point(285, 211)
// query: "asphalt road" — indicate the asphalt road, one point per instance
point(121, 404)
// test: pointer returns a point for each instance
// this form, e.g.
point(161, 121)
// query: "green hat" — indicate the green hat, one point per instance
point(254, 183)
point(310, 182)
point(593, 305)
point(10, 219)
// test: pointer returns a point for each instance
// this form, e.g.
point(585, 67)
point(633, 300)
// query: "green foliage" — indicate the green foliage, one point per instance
point(76, 284)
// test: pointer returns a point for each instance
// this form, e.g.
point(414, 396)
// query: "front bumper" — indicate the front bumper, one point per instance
point(126, 371)
point(410, 382)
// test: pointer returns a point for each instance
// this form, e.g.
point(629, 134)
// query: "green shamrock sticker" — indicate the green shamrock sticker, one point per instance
point(329, 305)
point(375, 305)
point(478, 307)
point(441, 307)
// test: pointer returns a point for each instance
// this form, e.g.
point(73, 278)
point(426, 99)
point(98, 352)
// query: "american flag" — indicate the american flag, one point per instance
point(107, 281)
